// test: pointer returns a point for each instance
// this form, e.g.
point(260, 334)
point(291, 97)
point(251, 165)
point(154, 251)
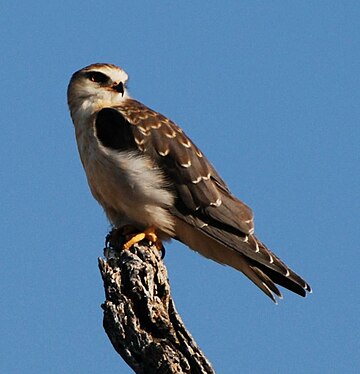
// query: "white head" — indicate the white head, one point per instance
point(96, 86)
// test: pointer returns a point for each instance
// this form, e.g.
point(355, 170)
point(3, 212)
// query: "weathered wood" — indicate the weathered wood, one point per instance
point(140, 318)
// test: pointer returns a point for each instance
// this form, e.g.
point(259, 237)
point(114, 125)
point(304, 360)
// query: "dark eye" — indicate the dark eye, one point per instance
point(96, 76)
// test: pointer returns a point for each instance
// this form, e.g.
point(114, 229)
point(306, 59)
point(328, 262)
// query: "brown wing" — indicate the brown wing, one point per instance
point(200, 189)
point(203, 198)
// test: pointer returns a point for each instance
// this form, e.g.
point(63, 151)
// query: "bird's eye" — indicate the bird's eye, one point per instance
point(96, 76)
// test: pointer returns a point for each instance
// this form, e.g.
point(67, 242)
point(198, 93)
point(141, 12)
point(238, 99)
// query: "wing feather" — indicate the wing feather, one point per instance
point(203, 199)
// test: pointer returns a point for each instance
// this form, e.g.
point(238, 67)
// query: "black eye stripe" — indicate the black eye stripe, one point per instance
point(96, 76)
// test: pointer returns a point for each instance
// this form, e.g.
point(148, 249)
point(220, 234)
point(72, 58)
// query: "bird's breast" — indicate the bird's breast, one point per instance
point(126, 184)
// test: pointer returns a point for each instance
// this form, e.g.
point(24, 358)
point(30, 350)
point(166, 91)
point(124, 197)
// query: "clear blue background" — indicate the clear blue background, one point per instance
point(269, 90)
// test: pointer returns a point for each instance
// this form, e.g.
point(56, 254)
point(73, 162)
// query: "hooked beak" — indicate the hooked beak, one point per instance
point(119, 88)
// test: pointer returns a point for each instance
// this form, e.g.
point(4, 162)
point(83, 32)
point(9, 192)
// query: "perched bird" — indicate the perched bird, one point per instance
point(145, 172)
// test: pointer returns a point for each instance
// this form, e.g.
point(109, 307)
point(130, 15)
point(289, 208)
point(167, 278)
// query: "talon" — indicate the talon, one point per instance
point(152, 237)
point(148, 234)
point(162, 249)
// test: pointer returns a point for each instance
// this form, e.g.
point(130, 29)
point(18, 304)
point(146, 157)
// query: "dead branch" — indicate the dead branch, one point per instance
point(140, 318)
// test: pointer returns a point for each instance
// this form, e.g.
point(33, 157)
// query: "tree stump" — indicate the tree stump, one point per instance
point(140, 318)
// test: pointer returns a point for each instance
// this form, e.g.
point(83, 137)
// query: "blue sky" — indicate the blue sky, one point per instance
point(270, 93)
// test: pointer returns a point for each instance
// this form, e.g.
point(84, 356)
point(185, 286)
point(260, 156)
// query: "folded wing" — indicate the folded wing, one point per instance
point(209, 218)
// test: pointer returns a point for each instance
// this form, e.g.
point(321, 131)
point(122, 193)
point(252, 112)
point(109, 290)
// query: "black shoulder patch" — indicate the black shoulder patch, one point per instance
point(113, 130)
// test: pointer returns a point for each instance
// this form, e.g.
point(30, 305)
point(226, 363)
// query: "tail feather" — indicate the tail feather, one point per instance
point(262, 281)
point(292, 282)
point(268, 281)
point(263, 268)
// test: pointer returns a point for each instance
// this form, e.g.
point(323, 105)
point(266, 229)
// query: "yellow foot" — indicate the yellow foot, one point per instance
point(133, 239)
point(148, 234)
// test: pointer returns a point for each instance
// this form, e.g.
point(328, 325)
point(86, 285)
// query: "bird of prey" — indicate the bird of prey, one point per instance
point(145, 172)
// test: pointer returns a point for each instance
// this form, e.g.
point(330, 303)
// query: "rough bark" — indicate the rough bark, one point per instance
point(140, 318)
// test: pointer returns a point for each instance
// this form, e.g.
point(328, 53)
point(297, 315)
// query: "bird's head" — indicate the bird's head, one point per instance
point(96, 86)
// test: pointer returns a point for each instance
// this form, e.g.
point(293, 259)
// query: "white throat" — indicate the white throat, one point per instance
point(84, 103)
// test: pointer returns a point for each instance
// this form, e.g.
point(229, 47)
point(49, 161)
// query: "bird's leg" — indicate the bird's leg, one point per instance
point(150, 235)
point(133, 238)
point(125, 237)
